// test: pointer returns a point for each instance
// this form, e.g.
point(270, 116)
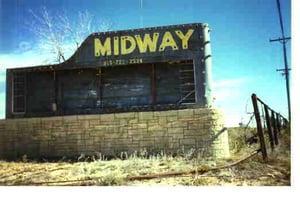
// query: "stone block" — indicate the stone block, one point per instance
point(98, 138)
point(133, 121)
point(146, 143)
point(94, 122)
point(70, 118)
point(166, 113)
point(88, 117)
point(160, 134)
point(104, 127)
point(129, 115)
point(107, 117)
point(140, 126)
point(172, 119)
point(137, 136)
point(162, 120)
point(79, 143)
point(177, 123)
point(74, 137)
point(152, 121)
point(186, 113)
point(175, 130)
point(89, 142)
point(115, 135)
point(194, 132)
point(54, 118)
point(33, 120)
point(155, 127)
point(145, 115)
point(200, 111)
point(96, 132)
point(123, 122)
point(188, 141)
point(176, 135)
point(41, 138)
point(84, 124)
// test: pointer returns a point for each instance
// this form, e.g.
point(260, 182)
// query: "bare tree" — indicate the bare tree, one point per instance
point(58, 35)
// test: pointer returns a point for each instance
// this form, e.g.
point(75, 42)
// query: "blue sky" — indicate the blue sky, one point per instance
point(243, 59)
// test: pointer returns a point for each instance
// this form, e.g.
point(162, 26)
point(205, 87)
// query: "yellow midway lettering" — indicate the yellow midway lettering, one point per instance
point(102, 50)
point(129, 43)
point(124, 41)
point(147, 42)
point(116, 45)
point(168, 41)
point(185, 38)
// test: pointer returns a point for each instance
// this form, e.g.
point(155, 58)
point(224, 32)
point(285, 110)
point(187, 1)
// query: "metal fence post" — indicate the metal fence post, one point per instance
point(278, 122)
point(271, 138)
point(274, 124)
point(259, 128)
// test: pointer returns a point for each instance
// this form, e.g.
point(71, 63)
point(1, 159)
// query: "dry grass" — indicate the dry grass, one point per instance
point(276, 172)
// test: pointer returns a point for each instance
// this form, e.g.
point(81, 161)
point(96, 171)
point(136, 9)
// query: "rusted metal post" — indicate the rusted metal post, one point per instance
point(274, 128)
point(259, 128)
point(286, 122)
point(269, 127)
point(278, 122)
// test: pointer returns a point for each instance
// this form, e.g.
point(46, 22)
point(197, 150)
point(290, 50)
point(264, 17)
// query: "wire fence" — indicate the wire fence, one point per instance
point(269, 124)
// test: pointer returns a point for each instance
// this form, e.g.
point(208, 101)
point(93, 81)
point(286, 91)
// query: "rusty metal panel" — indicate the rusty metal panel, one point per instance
point(168, 83)
point(19, 93)
point(77, 90)
point(126, 86)
point(40, 92)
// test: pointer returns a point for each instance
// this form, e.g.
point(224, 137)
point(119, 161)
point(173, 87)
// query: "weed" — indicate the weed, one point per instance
point(111, 179)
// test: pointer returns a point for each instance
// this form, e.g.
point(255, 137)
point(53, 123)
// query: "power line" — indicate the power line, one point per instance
point(283, 40)
point(141, 14)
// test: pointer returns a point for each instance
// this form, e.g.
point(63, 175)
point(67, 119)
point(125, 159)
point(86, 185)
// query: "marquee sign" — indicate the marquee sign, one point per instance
point(153, 67)
point(142, 45)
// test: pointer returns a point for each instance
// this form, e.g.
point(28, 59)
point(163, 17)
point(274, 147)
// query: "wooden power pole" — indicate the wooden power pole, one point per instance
point(283, 40)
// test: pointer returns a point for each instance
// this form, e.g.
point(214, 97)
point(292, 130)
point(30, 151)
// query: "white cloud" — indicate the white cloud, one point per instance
point(2, 76)
point(24, 46)
point(231, 96)
point(225, 89)
point(32, 56)
point(230, 82)
point(2, 105)
point(28, 58)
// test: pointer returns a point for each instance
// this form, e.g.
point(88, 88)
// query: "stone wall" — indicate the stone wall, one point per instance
point(109, 134)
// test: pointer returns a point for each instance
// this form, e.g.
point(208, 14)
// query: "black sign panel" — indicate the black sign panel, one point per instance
point(145, 69)
point(141, 46)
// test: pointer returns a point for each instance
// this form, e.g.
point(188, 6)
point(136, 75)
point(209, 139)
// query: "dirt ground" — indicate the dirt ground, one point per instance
point(251, 172)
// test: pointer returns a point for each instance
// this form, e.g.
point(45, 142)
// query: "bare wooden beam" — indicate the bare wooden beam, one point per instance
point(259, 128)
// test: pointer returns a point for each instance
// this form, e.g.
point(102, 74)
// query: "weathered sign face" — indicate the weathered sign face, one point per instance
point(123, 45)
point(142, 45)
point(153, 67)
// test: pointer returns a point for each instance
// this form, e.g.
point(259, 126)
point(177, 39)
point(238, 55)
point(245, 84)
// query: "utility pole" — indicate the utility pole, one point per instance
point(283, 40)
point(141, 14)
